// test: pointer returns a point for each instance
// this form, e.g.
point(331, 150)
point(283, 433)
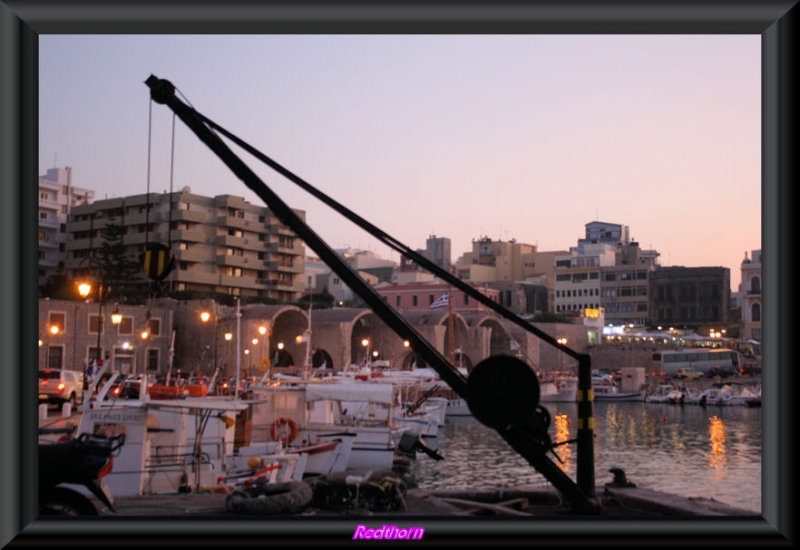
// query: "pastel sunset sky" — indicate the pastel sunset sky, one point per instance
point(525, 137)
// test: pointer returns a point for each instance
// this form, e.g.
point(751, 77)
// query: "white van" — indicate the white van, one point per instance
point(60, 386)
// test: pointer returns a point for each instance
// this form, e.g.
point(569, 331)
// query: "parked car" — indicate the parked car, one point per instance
point(721, 371)
point(750, 369)
point(686, 374)
point(125, 388)
point(60, 386)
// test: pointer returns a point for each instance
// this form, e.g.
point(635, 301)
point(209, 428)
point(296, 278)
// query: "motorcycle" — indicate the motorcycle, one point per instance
point(66, 468)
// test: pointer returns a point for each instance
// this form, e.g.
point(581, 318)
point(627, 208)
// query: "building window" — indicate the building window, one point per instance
point(414, 300)
point(94, 323)
point(55, 357)
point(56, 319)
point(125, 326)
point(152, 359)
point(155, 327)
point(755, 313)
point(399, 301)
point(755, 285)
point(430, 299)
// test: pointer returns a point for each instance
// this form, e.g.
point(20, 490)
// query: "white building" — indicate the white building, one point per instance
point(57, 196)
point(577, 277)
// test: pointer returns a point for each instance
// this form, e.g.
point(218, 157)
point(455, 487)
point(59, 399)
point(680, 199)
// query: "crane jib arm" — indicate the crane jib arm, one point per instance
point(526, 432)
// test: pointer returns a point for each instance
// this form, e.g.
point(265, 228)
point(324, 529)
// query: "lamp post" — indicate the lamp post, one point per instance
point(205, 316)
point(84, 289)
point(563, 342)
point(365, 343)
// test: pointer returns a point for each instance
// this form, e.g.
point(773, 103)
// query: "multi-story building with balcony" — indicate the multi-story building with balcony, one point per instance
point(750, 296)
point(577, 277)
point(490, 261)
point(624, 286)
point(57, 196)
point(606, 271)
point(220, 244)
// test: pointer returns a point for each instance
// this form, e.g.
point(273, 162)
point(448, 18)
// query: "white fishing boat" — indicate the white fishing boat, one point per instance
point(665, 393)
point(171, 445)
point(307, 413)
point(558, 388)
point(606, 391)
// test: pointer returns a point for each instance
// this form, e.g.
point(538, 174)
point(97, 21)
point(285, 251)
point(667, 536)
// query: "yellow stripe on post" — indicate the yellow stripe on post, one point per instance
point(147, 262)
point(589, 423)
point(161, 257)
point(591, 395)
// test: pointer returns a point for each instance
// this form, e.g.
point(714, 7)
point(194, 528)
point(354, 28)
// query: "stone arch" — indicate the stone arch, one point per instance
point(499, 338)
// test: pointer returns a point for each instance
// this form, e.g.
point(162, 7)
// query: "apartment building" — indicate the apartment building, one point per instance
point(57, 196)
point(220, 244)
point(624, 287)
point(577, 277)
point(606, 270)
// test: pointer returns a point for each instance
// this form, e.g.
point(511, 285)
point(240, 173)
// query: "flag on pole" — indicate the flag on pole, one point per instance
point(441, 301)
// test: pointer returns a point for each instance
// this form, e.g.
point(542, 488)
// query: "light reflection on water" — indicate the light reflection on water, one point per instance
point(692, 451)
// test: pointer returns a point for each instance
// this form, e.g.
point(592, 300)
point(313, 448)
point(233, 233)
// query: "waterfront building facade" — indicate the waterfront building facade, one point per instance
point(71, 336)
point(221, 244)
point(690, 297)
point(624, 286)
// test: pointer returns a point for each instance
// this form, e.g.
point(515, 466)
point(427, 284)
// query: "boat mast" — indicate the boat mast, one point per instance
point(307, 363)
point(450, 320)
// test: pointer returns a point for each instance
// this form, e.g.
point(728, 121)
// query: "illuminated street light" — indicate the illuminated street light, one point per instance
point(205, 316)
point(116, 316)
point(84, 289)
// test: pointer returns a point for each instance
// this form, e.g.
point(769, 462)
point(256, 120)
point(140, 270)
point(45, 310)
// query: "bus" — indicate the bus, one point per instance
point(668, 362)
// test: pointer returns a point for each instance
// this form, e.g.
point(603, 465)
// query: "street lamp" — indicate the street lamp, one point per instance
point(365, 343)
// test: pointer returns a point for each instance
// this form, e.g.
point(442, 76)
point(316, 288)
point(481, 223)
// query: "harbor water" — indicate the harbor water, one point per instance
point(689, 450)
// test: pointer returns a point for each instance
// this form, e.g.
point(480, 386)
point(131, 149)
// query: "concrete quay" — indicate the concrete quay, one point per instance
point(614, 502)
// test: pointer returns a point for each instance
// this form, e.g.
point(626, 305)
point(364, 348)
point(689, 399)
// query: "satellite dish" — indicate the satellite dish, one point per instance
point(186, 189)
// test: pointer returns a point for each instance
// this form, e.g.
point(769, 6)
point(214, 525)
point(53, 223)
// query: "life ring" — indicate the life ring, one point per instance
point(270, 498)
point(277, 427)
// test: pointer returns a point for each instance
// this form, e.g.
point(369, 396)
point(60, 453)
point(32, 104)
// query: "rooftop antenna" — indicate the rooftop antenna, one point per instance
point(55, 160)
